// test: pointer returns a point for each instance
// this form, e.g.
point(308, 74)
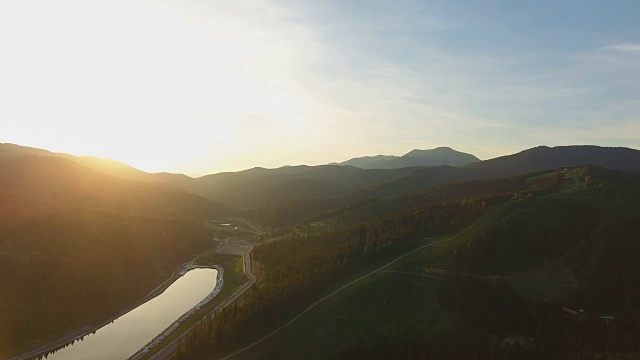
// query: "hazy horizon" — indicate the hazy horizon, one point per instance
point(205, 172)
point(203, 87)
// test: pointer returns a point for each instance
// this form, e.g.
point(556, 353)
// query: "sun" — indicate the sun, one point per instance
point(142, 82)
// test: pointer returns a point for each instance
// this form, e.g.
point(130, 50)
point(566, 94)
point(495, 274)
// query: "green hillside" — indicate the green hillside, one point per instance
point(62, 180)
point(582, 221)
point(77, 246)
point(312, 198)
point(263, 193)
point(408, 258)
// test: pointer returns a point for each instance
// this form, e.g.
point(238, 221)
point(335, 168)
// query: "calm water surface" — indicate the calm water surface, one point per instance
point(132, 331)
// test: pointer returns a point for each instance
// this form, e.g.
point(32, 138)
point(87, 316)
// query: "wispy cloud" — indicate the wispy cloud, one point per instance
point(624, 48)
point(318, 81)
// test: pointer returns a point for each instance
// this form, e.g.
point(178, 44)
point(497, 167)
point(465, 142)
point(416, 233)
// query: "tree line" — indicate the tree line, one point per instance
point(65, 267)
point(296, 270)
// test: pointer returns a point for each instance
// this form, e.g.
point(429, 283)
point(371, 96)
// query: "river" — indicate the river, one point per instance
point(132, 331)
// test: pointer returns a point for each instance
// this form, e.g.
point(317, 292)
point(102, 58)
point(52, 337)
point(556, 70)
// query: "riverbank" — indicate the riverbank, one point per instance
point(167, 348)
point(216, 290)
point(90, 329)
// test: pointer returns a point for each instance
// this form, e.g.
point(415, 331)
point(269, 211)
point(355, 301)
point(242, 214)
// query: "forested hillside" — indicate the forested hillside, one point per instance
point(582, 221)
point(586, 224)
point(77, 246)
point(61, 180)
point(544, 157)
point(298, 269)
point(290, 188)
point(288, 210)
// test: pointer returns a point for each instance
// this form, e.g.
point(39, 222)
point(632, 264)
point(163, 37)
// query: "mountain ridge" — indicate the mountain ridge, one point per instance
point(251, 187)
point(417, 157)
point(541, 157)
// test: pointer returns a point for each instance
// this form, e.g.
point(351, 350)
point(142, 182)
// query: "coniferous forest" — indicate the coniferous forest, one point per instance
point(535, 265)
point(282, 179)
point(590, 229)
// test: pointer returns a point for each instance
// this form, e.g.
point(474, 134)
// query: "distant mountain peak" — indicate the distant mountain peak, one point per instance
point(439, 150)
point(417, 157)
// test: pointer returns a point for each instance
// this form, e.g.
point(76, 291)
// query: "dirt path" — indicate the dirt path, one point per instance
point(416, 274)
point(318, 302)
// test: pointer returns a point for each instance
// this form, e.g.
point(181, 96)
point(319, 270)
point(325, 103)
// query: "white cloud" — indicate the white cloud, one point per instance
point(624, 48)
point(292, 83)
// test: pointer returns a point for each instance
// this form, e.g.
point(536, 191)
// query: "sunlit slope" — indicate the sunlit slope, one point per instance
point(107, 166)
point(260, 188)
point(77, 245)
point(57, 179)
point(103, 165)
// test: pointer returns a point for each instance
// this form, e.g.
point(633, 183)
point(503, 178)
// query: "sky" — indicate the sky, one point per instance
point(198, 87)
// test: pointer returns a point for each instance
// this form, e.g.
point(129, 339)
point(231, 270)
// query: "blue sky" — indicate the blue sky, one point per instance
point(510, 72)
point(207, 86)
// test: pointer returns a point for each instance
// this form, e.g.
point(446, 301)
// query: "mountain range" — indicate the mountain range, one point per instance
point(112, 229)
point(433, 157)
point(259, 187)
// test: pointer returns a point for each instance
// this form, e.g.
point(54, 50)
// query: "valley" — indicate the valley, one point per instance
point(373, 254)
point(319, 180)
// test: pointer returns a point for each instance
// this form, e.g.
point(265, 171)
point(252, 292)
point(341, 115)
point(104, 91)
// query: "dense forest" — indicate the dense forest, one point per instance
point(586, 216)
point(591, 227)
point(594, 228)
point(67, 266)
point(366, 204)
point(78, 246)
point(296, 270)
point(497, 323)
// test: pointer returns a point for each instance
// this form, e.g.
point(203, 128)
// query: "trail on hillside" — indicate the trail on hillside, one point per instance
point(320, 301)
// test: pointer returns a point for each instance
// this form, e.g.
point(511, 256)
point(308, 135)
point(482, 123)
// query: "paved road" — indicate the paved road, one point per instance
point(169, 350)
point(318, 302)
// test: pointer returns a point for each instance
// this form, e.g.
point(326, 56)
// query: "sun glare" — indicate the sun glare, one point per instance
point(141, 82)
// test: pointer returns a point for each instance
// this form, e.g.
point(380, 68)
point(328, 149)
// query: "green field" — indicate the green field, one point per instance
point(387, 303)
point(395, 300)
point(403, 298)
point(440, 255)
